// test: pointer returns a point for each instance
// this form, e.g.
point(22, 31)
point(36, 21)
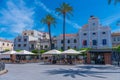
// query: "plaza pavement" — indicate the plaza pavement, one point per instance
point(39, 71)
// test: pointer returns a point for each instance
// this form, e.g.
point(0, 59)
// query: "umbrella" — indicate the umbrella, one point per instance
point(70, 51)
point(52, 52)
point(9, 52)
point(24, 52)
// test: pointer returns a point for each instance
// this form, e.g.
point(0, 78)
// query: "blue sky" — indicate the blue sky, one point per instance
point(19, 15)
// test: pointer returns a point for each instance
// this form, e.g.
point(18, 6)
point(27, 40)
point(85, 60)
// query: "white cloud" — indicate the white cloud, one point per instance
point(42, 5)
point(16, 16)
point(111, 19)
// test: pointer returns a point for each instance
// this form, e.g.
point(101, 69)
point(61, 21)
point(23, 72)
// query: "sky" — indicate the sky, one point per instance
point(19, 15)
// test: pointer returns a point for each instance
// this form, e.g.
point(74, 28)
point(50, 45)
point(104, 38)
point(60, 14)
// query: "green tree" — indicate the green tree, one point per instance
point(116, 54)
point(49, 20)
point(63, 10)
point(115, 1)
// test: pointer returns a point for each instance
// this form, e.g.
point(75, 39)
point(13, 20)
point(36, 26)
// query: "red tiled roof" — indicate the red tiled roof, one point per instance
point(5, 40)
point(116, 34)
point(68, 35)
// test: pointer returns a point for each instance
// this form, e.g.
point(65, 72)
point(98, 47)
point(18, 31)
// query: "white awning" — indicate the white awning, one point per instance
point(70, 51)
point(52, 52)
point(9, 52)
point(23, 52)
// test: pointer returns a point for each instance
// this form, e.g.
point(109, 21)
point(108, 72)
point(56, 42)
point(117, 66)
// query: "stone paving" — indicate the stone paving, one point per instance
point(39, 71)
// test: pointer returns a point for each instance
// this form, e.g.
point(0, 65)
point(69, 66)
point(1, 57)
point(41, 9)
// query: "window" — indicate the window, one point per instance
point(3, 44)
point(104, 41)
point(41, 46)
point(25, 40)
point(19, 40)
point(74, 47)
point(32, 45)
point(68, 47)
point(19, 45)
point(85, 34)
point(75, 41)
point(118, 39)
point(114, 39)
point(25, 45)
point(7, 44)
point(94, 33)
point(93, 24)
point(25, 34)
point(32, 33)
point(94, 42)
point(46, 46)
point(62, 48)
point(103, 32)
point(84, 42)
point(62, 41)
point(68, 41)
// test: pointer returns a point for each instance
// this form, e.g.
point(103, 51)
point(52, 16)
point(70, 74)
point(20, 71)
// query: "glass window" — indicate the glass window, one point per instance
point(84, 42)
point(3, 44)
point(68, 47)
point(75, 41)
point(74, 47)
point(94, 42)
point(103, 32)
point(61, 41)
point(25, 45)
point(118, 38)
point(114, 39)
point(19, 45)
point(19, 40)
point(94, 33)
point(46, 46)
point(85, 34)
point(25, 40)
point(61, 48)
point(68, 41)
point(104, 41)
point(93, 24)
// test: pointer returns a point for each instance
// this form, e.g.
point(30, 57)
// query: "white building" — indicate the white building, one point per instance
point(94, 35)
point(71, 41)
point(29, 40)
point(116, 39)
point(5, 45)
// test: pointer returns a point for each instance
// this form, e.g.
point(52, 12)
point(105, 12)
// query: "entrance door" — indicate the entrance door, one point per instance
point(97, 58)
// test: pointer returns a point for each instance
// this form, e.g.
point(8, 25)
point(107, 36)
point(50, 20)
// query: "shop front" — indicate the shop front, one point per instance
point(99, 56)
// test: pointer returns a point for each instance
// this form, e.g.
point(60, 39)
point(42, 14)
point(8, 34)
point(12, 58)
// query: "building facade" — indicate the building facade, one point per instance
point(71, 41)
point(93, 35)
point(5, 45)
point(115, 39)
point(29, 40)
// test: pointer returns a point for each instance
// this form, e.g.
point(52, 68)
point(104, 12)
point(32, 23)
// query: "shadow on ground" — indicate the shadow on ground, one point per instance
point(80, 72)
point(99, 67)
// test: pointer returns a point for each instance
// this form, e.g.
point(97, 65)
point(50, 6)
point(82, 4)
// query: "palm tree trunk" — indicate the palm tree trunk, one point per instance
point(50, 37)
point(63, 31)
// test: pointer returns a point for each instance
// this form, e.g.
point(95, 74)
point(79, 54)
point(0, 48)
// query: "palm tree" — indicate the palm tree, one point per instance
point(64, 9)
point(49, 20)
point(115, 1)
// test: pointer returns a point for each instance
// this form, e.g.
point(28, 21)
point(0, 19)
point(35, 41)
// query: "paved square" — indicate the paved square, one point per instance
point(37, 71)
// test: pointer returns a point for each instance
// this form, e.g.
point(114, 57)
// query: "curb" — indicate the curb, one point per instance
point(3, 72)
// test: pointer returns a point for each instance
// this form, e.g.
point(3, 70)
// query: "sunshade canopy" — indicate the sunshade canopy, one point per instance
point(23, 52)
point(71, 51)
point(52, 52)
point(9, 52)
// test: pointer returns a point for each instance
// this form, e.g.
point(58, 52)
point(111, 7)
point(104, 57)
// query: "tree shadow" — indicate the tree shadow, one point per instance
point(99, 67)
point(78, 72)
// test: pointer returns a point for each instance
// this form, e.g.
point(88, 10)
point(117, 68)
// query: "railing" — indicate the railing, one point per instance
point(2, 66)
